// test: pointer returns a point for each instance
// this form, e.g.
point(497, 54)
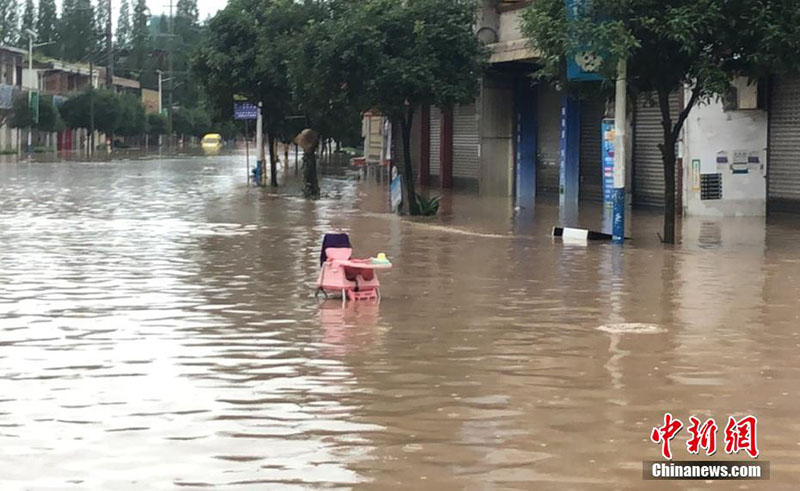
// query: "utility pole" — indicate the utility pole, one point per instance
point(171, 69)
point(261, 172)
point(620, 140)
point(160, 106)
point(110, 48)
point(91, 104)
point(31, 35)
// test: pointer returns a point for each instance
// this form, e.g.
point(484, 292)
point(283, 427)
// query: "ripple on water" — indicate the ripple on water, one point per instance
point(631, 328)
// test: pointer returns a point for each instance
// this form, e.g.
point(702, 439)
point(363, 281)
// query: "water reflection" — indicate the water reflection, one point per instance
point(159, 329)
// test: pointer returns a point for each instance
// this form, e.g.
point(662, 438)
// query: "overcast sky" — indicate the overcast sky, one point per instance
point(206, 7)
point(157, 7)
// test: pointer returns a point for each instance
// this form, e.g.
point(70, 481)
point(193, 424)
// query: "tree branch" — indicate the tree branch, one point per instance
point(698, 89)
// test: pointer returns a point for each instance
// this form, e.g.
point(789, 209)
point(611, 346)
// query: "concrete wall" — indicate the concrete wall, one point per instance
point(509, 26)
point(710, 130)
point(488, 22)
point(497, 128)
point(8, 138)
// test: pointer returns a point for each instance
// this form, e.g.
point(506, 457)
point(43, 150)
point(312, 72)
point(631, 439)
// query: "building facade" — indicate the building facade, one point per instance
point(528, 139)
point(10, 85)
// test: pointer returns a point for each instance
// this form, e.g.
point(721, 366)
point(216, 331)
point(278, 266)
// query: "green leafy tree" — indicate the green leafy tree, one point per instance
point(391, 56)
point(188, 34)
point(124, 25)
point(156, 124)
point(326, 69)
point(47, 26)
point(9, 22)
point(183, 121)
point(140, 35)
point(108, 111)
point(49, 118)
point(21, 115)
point(227, 129)
point(132, 119)
point(669, 45)
point(78, 31)
point(243, 52)
point(163, 25)
point(103, 15)
point(28, 21)
point(201, 122)
point(186, 14)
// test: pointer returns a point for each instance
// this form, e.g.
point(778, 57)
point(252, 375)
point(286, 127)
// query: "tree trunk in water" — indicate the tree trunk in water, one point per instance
point(668, 158)
point(408, 170)
point(273, 162)
point(296, 162)
point(311, 188)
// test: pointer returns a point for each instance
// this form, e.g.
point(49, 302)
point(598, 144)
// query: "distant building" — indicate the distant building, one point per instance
point(121, 85)
point(527, 139)
point(10, 84)
point(151, 101)
point(62, 78)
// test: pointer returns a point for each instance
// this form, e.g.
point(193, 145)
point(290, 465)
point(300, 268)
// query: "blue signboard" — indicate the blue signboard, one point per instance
point(396, 189)
point(607, 129)
point(6, 96)
point(585, 64)
point(245, 111)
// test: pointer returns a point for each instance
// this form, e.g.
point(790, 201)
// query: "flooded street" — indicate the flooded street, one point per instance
point(159, 330)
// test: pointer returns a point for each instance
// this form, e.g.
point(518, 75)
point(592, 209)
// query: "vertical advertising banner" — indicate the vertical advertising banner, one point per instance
point(395, 177)
point(608, 135)
point(585, 63)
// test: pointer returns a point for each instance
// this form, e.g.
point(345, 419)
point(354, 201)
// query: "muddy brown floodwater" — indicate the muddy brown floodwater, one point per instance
point(158, 331)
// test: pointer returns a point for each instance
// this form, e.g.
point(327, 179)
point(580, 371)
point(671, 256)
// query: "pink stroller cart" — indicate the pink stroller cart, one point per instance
point(356, 279)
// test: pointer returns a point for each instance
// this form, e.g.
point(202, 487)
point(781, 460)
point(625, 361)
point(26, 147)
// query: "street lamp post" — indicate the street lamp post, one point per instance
point(31, 35)
point(160, 73)
point(620, 140)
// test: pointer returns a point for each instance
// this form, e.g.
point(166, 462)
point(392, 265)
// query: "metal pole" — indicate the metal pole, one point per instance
point(160, 107)
point(91, 105)
point(260, 148)
point(620, 139)
point(110, 48)
point(30, 95)
point(171, 69)
point(247, 149)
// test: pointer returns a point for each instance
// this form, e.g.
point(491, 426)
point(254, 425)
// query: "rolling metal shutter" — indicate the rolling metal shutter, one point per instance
point(648, 168)
point(548, 156)
point(466, 142)
point(436, 139)
point(591, 158)
point(783, 166)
